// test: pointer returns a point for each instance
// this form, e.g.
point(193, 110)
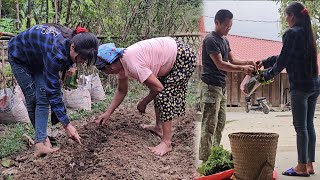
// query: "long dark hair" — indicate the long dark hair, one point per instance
point(85, 43)
point(303, 19)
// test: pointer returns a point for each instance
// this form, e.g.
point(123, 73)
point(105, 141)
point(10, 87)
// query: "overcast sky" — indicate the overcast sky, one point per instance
point(247, 10)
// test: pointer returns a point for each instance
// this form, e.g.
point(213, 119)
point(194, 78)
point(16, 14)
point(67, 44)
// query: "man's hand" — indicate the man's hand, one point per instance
point(102, 119)
point(251, 63)
point(248, 69)
point(72, 133)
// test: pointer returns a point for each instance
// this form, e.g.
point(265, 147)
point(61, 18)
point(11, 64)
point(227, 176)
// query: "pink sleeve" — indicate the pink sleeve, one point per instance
point(142, 73)
point(138, 70)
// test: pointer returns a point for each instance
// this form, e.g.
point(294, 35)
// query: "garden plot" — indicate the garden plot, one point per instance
point(117, 151)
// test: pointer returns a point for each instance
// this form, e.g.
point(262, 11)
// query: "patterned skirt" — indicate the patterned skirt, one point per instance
point(171, 102)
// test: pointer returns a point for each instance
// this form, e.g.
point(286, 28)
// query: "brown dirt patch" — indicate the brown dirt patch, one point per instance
point(117, 151)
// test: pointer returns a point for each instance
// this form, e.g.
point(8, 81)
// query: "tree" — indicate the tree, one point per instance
point(313, 7)
point(122, 21)
point(29, 14)
point(0, 7)
point(17, 15)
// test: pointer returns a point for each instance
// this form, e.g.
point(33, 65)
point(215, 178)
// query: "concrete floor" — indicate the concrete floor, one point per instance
point(277, 122)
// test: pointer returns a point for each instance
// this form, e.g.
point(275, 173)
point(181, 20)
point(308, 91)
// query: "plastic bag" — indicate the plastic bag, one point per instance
point(19, 93)
point(249, 84)
point(12, 108)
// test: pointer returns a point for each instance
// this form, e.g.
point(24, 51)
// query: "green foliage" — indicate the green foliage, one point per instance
point(193, 92)
point(7, 25)
point(136, 92)
point(8, 75)
point(219, 160)
point(79, 114)
point(7, 70)
point(96, 108)
point(12, 141)
point(312, 6)
point(263, 82)
point(121, 21)
point(10, 177)
point(99, 107)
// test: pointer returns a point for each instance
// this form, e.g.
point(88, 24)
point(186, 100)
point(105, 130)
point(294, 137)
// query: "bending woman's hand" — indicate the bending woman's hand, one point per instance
point(72, 133)
point(102, 119)
point(142, 105)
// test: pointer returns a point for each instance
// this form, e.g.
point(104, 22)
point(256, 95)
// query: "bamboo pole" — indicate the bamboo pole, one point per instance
point(172, 35)
point(6, 34)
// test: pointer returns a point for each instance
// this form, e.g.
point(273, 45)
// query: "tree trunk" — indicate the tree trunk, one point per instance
point(40, 17)
point(17, 15)
point(36, 18)
point(47, 15)
point(60, 9)
point(0, 7)
point(29, 14)
point(56, 11)
point(68, 12)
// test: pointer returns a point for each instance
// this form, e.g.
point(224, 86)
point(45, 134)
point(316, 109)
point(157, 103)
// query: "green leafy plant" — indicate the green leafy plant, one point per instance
point(218, 161)
point(263, 82)
point(7, 25)
point(8, 71)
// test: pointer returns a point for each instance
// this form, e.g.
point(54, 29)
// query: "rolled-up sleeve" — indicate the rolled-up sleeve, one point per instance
point(269, 62)
point(284, 57)
point(52, 67)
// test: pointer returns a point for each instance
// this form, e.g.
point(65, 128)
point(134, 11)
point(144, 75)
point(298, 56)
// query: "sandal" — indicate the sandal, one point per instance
point(292, 172)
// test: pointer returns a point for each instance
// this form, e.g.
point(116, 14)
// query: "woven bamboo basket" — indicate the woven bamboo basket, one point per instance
point(254, 154)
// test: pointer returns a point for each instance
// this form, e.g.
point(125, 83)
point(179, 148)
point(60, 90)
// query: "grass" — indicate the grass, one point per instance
point(96, 108)
point(192, 93)
point(11, 142)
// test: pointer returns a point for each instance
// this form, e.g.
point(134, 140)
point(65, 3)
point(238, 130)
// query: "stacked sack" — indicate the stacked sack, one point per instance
point(89, 90)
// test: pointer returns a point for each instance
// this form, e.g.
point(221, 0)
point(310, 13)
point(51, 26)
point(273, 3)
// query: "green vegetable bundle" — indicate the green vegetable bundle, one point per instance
point(219, 160)
point(251, 83)
point(262, 81)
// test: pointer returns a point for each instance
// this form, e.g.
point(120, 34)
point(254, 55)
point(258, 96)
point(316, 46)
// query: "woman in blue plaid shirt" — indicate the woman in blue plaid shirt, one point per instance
point(36, 56)
point(299, 57)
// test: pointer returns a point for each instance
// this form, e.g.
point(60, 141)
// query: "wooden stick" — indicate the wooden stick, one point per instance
point(3, 66)
point(172, 35)
point(6, 34)
point(5, 37)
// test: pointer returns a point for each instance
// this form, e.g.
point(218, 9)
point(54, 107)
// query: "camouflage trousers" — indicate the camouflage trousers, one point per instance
point(213, 107)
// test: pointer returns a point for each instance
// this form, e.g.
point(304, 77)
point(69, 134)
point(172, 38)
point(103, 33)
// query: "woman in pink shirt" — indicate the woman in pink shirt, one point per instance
point(165, 66)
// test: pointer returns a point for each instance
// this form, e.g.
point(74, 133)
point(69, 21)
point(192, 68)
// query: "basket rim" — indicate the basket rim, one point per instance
point(253, 134)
